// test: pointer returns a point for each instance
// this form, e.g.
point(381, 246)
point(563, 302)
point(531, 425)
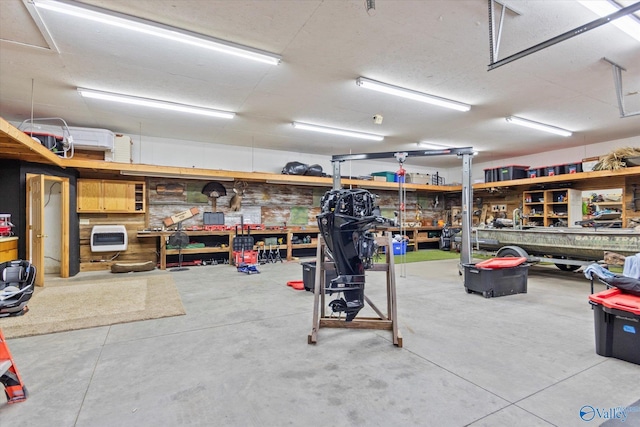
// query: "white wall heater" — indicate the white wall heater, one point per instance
point(108, 238)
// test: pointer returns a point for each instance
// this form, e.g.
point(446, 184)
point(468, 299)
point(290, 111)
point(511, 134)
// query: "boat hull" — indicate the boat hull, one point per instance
point(587, 244)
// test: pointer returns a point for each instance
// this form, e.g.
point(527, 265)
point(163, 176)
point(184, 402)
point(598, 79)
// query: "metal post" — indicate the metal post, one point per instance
point(336, 174)
point(629, 10)
point(617, 81)
point(467, 207)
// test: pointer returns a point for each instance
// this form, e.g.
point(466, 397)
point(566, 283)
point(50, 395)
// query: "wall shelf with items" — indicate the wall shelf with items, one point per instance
point(302, 241)
point(221, 242)
point(552, 208)
point(614, 205)
point(139, 195)
point(533, 203)
point(605, 206)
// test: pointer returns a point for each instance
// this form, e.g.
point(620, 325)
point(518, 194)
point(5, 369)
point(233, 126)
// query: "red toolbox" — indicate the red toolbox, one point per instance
point(246, 257)
point(617, 324)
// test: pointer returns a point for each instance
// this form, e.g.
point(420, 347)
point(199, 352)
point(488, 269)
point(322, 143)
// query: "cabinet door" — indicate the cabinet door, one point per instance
point(89, 195)
point(118, 196)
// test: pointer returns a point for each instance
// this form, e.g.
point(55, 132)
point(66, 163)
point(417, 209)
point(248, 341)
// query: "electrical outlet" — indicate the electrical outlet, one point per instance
point(502, 208)
point(495, 208)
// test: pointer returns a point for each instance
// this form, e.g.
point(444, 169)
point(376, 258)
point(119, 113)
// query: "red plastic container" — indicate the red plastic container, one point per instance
point(614, 298)
point(490, 175)
point(554, 170)
point(617, 324)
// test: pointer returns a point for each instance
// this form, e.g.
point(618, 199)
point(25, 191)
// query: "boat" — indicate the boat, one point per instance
point(561, 244)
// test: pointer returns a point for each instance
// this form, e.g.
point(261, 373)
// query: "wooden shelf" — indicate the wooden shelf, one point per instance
point(552, 211)
point(204, 250)
point(304, 245)
point(226, 238)
point(571, 177)
point(17, 145)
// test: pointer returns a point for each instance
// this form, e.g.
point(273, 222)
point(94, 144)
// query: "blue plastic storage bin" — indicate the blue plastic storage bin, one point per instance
point(400, 248)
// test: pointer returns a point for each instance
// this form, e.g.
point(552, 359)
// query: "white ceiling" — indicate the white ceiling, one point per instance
point(439, 47)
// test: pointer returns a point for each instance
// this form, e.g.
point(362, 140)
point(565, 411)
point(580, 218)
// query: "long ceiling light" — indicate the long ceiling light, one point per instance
point(154, 103)
point(411, 94)
point(536, 125)
point(334, 131)
point(602, 8)
point(167, 32)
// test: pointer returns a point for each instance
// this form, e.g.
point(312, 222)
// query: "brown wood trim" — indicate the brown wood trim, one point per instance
point(15, 144)
point(358, 323)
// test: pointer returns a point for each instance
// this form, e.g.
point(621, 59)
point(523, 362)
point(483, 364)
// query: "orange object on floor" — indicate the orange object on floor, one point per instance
point(296, 284)
point(9, 376)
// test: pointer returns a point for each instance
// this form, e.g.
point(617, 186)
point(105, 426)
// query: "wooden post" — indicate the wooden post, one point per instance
point(382, 322)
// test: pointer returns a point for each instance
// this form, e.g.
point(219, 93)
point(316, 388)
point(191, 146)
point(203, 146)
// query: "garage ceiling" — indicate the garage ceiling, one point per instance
point(437, 47)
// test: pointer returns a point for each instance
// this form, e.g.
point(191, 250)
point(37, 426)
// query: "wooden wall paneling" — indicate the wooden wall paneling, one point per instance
point(138, 250)
point(277, 202)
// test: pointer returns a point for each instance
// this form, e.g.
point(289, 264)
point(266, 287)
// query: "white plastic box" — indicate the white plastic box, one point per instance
point(92, 139)
point(122, 149)
point(589, 163)
point(419, 178)
point(83, 138)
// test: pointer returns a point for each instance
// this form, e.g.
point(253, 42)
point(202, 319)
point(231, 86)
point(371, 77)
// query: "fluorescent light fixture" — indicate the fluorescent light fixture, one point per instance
point(154, 103)
point(603, 8)
point(166, 32)
point(427, 144)
point(174, 175)
point(334, 131)
point(536, 125)
point(411, 94)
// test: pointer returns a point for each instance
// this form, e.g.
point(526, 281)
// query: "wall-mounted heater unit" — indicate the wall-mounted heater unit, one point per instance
point(108, 238)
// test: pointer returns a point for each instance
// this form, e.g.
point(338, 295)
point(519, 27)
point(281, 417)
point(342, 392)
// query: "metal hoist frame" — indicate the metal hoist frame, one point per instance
point(494, 42)
point(494, 37)
point(617, 80)
point(465, 153)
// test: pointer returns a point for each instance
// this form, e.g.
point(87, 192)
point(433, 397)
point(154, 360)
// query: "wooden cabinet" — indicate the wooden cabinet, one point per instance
point(8, 249)
point(552, 208)
point(100, 196)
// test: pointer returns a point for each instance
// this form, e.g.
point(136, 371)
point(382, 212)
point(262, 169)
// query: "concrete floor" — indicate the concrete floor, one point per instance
point(240, 357)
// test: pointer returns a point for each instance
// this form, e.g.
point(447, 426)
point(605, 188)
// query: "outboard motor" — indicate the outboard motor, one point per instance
point(345, 221)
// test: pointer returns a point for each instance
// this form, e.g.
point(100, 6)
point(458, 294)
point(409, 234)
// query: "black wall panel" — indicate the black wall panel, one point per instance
point(13, 194)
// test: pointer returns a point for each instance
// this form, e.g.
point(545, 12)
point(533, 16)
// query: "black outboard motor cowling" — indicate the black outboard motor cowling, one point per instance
point(346, 217)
